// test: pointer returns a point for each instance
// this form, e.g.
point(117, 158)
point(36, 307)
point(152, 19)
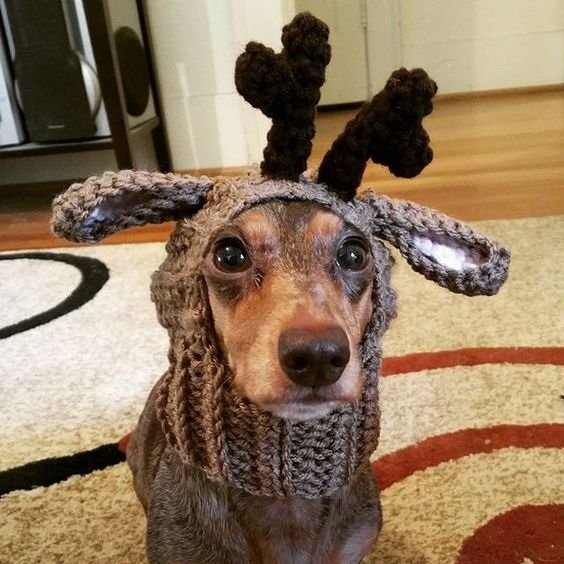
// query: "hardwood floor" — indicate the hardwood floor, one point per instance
point(497, 155)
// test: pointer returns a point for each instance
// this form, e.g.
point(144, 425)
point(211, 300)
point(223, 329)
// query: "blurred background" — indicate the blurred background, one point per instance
point(94, 85)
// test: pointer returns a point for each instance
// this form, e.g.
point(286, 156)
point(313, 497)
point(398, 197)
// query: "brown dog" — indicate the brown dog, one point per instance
point(254, 446)
point(293, 346)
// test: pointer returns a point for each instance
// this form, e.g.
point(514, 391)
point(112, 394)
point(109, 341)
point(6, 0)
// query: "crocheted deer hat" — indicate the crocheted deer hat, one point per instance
point(205, 419)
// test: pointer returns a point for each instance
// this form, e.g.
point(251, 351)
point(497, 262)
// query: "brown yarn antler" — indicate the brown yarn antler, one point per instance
point(387, 130)
point(286, 88)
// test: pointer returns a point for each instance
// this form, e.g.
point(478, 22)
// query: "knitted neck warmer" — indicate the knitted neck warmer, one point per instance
point(205, 419)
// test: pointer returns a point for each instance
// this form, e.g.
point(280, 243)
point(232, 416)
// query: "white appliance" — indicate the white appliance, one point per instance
point(11, 127)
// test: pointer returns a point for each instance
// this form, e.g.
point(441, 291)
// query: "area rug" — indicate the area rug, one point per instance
point(471, 458)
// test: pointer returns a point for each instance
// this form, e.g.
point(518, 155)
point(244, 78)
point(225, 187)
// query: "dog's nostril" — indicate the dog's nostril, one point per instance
point(297, 362)
point(313, 359)
point(338, 362)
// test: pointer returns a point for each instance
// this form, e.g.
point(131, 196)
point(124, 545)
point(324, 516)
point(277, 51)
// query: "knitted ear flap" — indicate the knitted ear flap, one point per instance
point(444, 250)
point(386, 130)
point(102, 205)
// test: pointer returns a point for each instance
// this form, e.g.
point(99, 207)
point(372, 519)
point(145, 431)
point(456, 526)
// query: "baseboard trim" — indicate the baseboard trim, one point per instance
point(506, 92)
point(226, 171)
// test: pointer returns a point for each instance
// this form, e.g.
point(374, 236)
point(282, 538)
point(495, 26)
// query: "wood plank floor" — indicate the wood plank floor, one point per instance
point(499, 155)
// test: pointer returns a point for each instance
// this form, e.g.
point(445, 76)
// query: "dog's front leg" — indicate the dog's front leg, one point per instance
point(189, 519)
point(355, 521)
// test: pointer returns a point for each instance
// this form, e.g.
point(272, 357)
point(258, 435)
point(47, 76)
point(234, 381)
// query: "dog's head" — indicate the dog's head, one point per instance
point(290, 288)
point(292, 269)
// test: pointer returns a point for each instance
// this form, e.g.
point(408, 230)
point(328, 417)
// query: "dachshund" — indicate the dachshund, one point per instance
point(254, 446)
point(292, 342)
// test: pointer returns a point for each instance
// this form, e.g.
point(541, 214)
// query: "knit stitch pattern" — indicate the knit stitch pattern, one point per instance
point(388, 129)
point(205, 419)
point(150, 197)
point(286, 87)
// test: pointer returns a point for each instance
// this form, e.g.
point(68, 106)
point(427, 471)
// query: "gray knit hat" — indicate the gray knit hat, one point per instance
point(204, 417)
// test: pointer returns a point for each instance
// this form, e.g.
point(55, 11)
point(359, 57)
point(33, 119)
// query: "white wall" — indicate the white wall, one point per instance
point(346, 76)
point(466, 45)
point(469, 45)
point(196, 43)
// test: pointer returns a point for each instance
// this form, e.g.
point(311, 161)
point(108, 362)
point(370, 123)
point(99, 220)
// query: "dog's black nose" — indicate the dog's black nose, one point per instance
point(313, 358)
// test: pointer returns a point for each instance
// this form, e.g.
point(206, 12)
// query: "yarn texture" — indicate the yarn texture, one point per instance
point(387, 130)
point(286, 87)
point(204, 418)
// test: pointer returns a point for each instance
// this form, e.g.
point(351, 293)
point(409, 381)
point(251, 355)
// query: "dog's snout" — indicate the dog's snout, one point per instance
point(313, 358)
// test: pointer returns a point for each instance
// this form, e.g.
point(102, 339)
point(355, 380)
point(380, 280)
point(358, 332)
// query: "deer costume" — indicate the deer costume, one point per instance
point(205, 425)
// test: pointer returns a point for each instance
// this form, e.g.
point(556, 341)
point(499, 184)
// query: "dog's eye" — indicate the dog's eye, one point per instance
point(352, 255)
point(231, 256)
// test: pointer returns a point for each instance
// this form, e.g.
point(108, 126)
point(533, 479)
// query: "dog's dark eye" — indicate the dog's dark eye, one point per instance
point(352, 255)
point(231, 256)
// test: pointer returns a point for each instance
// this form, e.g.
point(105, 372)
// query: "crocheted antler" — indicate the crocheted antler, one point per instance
point(387, 130)
point(286, 88)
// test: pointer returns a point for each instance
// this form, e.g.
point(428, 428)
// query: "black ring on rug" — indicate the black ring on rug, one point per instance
point(51, 471)
point(94, 274)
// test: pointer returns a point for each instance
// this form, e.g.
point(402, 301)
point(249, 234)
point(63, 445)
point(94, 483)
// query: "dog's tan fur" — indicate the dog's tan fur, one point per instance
point(293, 246)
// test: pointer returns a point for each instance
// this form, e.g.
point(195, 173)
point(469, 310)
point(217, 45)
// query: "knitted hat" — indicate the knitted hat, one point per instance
point(205, 419)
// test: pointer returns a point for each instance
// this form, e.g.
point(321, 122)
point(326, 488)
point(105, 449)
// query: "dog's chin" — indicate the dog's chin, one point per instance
point(277, 395)
point(302, 411)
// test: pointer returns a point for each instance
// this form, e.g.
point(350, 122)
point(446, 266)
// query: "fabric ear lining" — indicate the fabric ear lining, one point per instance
point(111, 208)
point(449, 252)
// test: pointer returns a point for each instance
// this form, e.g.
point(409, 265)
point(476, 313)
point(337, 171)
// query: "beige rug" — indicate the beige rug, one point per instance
point(471, 459)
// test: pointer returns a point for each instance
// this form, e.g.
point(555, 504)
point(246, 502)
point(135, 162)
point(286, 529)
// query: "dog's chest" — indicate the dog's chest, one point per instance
point(192, 519)
point(285, 530)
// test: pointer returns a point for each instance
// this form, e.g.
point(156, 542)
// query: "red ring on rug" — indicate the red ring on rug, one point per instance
point(416, 362)
point(472, 357)
point(398, 465)
point(534, 532)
